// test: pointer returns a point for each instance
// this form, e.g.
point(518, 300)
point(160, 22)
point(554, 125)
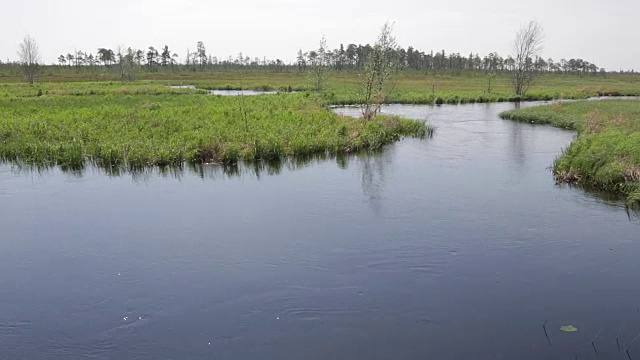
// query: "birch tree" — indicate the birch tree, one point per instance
point(319, 70)
point(381, 65)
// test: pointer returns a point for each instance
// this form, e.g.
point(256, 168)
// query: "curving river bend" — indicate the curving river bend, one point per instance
point(456, 247)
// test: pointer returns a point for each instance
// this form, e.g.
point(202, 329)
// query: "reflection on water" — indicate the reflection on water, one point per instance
point(517, 147)
point(213, 171)
point(241, 92)
point(372, 167)
point(182, 86)
point(233, 92)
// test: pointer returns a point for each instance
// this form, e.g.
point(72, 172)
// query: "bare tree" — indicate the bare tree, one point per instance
point(29, 54)
point(381, 64)
point(526, 46)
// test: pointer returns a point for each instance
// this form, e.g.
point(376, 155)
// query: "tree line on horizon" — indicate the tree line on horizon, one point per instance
point(375, 65)
point(351, 57)
point(153, 59)
point(355, 56)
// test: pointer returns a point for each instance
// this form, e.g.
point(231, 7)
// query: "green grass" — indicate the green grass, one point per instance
point(49, 89)
point(606, 152)
point(65, 119)
point(128, 128)
point(412, 87)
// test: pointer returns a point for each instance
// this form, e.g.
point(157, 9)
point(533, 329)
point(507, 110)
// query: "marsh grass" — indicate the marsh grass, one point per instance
point(417, 88)
point(132, 131)
point(606, 152)
point(133, 125)
point(13, 91)
point(412, 87)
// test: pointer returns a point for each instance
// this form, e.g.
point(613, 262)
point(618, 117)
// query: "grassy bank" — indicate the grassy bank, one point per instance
point(606, 152)
point(125, 127)
point(412, 87)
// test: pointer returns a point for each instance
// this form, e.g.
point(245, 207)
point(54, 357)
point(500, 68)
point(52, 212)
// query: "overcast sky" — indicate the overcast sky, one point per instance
point(603, 32)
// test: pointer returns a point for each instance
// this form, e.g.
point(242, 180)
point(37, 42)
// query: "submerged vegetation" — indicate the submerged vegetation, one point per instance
point(606, 152)
point(134, 126)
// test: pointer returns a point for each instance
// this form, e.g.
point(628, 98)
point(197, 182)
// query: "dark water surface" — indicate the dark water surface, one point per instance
point(457, 247)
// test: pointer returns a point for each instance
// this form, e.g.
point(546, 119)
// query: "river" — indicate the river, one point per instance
point(455, 247)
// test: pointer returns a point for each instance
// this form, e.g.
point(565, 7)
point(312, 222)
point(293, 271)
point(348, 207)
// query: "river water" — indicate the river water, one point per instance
point(455, 247)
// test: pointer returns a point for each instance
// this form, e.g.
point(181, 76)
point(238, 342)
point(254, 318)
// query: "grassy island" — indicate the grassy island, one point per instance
point(134, 125)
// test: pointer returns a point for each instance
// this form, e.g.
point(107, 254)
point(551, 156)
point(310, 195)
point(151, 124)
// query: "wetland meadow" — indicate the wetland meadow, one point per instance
point(366, 202)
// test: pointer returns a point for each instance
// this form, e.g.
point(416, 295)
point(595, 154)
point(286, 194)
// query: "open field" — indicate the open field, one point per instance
point(411, 87)
point(606, 153)
point(139, 125)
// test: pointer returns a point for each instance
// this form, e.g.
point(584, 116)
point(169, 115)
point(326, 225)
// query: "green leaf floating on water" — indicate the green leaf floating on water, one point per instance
point(568, 328)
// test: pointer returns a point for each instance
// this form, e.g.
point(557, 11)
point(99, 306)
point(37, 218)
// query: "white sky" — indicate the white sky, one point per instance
point(603, 32)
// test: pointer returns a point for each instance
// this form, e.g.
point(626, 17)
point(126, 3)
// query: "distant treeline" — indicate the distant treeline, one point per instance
point(153, 59)
point(355, 56)
point(351, 57)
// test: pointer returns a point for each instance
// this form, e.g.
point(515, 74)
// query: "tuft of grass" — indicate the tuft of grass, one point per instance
point(606, 152)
